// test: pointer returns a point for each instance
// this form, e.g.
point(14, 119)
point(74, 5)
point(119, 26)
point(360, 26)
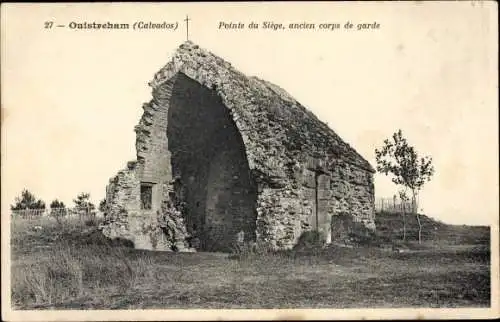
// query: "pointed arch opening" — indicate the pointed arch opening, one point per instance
point(208, 159)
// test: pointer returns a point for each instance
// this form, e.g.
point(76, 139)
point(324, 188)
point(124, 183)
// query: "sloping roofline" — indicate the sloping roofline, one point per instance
point(253, 101)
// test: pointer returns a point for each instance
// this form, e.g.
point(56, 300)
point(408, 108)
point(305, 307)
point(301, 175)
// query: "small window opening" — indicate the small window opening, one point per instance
point(146, 196)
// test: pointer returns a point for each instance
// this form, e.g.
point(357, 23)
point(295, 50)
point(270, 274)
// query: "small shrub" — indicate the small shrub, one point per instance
point(310, 240)
point(194, 242)
point(362, 236)
point(91, 221)
point(245, 249)
point(94, 237)
point(122, 242)
point(248, 250)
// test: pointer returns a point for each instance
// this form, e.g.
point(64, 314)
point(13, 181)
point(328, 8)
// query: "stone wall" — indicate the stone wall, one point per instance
point(153, 154)
point(122, 194)
point(286, 211)
point(125, 219)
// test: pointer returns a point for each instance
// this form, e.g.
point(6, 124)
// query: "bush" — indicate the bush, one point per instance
point(310, 239)
point(362, 236)
point(91, 222)
point(27, 200)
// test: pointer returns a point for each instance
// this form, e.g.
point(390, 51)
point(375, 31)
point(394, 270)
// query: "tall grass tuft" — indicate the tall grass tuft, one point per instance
point(73, 260)
point(68, 272)
point(251, 254)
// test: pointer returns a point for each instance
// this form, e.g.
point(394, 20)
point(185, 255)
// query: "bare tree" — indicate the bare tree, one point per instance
point(401, 161)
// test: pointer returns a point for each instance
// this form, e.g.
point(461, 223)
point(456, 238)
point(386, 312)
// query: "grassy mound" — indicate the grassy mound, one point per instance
point(390, 229)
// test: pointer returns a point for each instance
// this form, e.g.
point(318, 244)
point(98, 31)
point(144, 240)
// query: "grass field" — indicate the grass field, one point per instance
point(72, 266)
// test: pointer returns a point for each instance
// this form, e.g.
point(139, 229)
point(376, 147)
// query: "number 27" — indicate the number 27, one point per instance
point(48, 24)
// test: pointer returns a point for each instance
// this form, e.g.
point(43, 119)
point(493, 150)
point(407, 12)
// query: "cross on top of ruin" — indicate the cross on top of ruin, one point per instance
point(187, 27)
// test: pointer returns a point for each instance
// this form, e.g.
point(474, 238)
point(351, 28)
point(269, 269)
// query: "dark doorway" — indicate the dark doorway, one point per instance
point(208, 155)
point(321, 219)
point(146, 196)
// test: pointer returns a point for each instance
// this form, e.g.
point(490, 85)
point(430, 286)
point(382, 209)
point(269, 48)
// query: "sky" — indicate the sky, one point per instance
point(71, 98)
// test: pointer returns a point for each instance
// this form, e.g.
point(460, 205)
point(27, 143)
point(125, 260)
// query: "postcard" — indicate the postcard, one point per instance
point(249, 160)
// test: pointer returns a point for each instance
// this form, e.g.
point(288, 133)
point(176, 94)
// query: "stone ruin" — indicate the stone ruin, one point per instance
point(222, 157)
